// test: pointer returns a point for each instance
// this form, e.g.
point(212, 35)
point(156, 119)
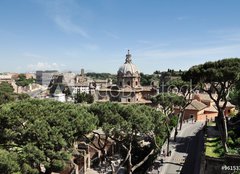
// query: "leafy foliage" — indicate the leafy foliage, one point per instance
point(102, 76)
point(8, 162)
point(83, 97)
point(221, 76)
point(42, 132)
point(168, 101)
point(147, 79)
point(23, 81)
point(6, 93)
point(129, 125)
point(5, 87)
point(218, 71)
point(234, 95)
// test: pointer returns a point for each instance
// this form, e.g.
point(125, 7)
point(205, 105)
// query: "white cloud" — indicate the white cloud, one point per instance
point(112, 35)
point(219, 52)
point(91, 46)
point(62, 12)
point(34, 56)
point(68, 26)
point(45, 66)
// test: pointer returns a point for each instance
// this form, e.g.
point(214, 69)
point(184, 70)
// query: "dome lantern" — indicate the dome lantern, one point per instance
point(128, 74)
point(128, 58)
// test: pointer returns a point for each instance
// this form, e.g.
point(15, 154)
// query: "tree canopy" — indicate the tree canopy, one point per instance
point(38, 133)
point(7, 94)
point(42, 132)
point(5, 87)
point(23, 81)
point(83, 97)
point(168, 101)
point(217, 77)
point(129, 126)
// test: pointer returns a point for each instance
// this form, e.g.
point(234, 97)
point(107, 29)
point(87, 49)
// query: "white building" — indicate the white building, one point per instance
point(60, 97)
point(81, 88)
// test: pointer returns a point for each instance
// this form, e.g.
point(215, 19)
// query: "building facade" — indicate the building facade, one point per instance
point(44, 77)
point(128, 88)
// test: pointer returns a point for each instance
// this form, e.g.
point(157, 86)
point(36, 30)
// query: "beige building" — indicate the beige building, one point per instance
point(128, 88)
point(202, 107)
point(6, 78)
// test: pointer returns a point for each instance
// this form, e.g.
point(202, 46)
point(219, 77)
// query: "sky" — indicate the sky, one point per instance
point(68, 35)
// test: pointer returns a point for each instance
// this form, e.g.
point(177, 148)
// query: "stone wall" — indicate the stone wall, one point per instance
point(210, 165)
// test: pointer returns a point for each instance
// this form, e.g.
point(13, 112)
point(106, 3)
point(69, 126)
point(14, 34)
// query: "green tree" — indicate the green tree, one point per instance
point(128, 126)
point(102, 76)
point(220, 76)
point(184, 90)
point(43, 132)
point(23, 96)
point(5, 87)
point(147, 79)
point(234, 95)
point(83, 97)
point(6, 93)
point(8, 162)
point(23, 81)
point(167, 102)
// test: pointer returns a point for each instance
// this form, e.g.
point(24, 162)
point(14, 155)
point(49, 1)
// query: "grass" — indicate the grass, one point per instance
point(214, 147)
point(233, 151)
point(211, 124)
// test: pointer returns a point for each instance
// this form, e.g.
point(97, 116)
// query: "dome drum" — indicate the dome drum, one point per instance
point(128, 74)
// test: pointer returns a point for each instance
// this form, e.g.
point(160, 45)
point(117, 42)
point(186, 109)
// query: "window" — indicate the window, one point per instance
point(136, 83)
point(129, 100)
point(128, 83)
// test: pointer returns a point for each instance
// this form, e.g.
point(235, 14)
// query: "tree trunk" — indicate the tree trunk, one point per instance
point(225, 132)
point(181, 119)
point(113, 168)
point(130, 164)
point(225, 127)
point(143, 161)
point(222, 126)
point(168, 140)
point(176, 128)
point(48, 171)
point(175, 134)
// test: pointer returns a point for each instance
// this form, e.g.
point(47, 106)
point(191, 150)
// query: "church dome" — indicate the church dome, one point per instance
point(128, 68)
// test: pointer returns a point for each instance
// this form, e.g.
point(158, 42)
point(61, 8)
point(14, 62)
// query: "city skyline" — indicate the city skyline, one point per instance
point(95, 35)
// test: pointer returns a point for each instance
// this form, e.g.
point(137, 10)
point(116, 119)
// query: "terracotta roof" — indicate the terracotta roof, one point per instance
point(204, 96)
point(196, 105)
point(228, 104)
point(211, 109)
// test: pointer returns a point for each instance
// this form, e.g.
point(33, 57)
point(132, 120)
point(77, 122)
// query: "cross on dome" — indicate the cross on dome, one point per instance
point(128, 57)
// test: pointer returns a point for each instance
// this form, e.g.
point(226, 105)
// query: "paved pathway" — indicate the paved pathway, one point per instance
point(184, 152)
point(186, 142)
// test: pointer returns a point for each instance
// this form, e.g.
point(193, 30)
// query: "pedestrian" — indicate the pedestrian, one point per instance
point(164, 154)
point(170, 153)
